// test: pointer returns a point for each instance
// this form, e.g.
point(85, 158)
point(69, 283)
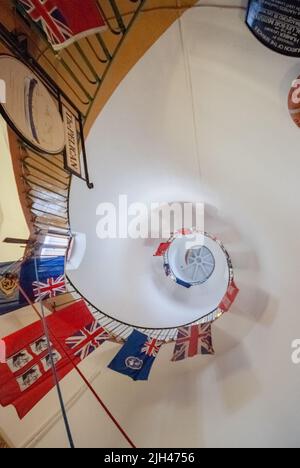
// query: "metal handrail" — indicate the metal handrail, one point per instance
point(45, 223)
point(46, 182)
point(81, 68)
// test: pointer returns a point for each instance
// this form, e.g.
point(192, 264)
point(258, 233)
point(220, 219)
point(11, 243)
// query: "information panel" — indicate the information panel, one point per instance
point(276, 23)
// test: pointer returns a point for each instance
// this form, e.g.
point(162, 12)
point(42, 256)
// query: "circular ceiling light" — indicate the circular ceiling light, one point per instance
point(202, 261)
point(199, 259)
point(192, 265)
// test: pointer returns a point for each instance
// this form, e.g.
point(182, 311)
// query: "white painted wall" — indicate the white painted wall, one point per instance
point(145, 150)
point(248, 155)
point(12, 220)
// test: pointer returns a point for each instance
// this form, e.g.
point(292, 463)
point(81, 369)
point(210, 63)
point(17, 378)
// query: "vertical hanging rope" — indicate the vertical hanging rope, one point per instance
point(110, 415)
point(189, 80)
point(102, 404)
point(56, 380)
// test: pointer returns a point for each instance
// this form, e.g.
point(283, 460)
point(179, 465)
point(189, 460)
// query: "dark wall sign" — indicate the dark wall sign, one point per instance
point(276, 23)
point(29, 108)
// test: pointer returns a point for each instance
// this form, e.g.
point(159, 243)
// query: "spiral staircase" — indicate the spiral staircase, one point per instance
point(87, 72)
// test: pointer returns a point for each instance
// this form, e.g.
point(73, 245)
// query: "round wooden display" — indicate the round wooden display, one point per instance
point(294, 102)
point(29, 107)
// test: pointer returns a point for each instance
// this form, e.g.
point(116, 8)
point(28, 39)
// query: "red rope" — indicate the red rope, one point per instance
point(105, 407)
point(102, 404)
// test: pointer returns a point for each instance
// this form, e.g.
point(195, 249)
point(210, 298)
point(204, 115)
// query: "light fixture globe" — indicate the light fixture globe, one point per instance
point(191, 265)
point(199, 259)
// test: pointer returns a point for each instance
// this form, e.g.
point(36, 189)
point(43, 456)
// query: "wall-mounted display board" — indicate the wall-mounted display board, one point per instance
point(276, 23)
point(29, 108)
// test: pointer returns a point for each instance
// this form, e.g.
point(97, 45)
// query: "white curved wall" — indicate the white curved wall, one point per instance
point(247, 149)
point(141, 145)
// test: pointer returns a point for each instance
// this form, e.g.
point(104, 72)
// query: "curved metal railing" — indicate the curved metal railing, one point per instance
point(80, 71)
point(46, 187)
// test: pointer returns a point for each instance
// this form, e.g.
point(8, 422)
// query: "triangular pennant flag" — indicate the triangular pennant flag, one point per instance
point(192, 341)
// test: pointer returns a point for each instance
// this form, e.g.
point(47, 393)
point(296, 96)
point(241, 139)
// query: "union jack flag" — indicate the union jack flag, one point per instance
point(49, 17)
point(64, 21)
point(151, 347)
point(52, 288)
point(229, 297)
point(85, 351)
point(76, 340)
point(86, 341)
point(192, 341)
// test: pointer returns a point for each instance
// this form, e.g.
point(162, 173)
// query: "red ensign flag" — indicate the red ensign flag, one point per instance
point(27, 375)
point(65, 21)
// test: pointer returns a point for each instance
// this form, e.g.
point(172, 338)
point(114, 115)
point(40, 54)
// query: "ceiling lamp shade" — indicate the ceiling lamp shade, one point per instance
point(194, 259)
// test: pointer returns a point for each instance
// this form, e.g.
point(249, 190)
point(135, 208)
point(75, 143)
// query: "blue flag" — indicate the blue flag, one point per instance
point(136, 357)
point(10, 298)
point(45, 283)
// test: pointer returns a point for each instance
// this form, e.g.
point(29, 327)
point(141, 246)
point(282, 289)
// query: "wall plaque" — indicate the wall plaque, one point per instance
point(72, 154)
point(276, 23)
